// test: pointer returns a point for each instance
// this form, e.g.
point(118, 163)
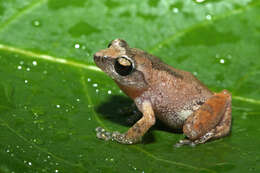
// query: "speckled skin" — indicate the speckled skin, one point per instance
point(170, 94)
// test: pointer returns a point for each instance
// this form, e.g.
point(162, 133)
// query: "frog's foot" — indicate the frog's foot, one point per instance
point(201, 140)
point(212, 120)
point(122, 138)
point(101, 133)
point(183, 142)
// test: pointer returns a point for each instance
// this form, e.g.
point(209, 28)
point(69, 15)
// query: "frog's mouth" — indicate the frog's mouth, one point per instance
point(105, 63)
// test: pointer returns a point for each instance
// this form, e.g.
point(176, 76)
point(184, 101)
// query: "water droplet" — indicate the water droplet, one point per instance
point(195, 73)
point(109, 91)
point(45, 72)
point(56, 170)
point(28, 69)
point(7, 150)
point(89, 118)
point(57, 106)
point(175, 10)
point(222, 61)
point(78, 100)
point(21, 62)
point(95, 85)
point(77, 45)
point(19, 67)
point(36, 23)
point(25, 81)
point(200, 1)
point(208, 17)
point(97, 90)
point(89, 79)
point(34, 63)
point(30, 163)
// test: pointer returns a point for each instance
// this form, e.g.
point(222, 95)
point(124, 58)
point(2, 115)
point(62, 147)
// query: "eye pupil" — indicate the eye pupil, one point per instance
point(123, 66)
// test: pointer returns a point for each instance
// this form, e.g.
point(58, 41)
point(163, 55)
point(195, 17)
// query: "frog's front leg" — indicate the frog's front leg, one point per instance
point(212, 120)
point(135, 133)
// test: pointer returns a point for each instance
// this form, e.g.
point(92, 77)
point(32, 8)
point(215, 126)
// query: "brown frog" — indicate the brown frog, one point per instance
point(162, 92)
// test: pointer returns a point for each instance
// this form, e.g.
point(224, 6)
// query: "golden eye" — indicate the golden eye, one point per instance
point(124, 62)
point(123, 66)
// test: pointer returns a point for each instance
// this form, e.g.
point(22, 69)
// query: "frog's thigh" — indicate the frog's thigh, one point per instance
point(212, 119)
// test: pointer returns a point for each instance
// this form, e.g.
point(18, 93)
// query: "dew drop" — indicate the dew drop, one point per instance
point(97, 90)
point(19, 67)
point(89, 79)
point(175, 10)
point(21, 62)
point(25, 81)
point(56, 170)
point(195, 73)
point(200, 1)
point(109, 91)
point(95, 85)
point(36, 23)
point(208, 17)
point(45, 72)
point(28, 69)
point(222, 61)
point(57, 106)
point(77, 45)
point(34, 63)
point(30, 163)
point(78, 100)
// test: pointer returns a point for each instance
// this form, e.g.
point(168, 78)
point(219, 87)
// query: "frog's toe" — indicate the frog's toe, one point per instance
point(101, 133)
point(185, 142)
point(122, 138)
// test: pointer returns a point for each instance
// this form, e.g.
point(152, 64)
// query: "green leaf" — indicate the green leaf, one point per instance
point(53, 96)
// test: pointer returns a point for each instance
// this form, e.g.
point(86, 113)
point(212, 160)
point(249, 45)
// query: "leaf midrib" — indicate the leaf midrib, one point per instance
point(82, 65)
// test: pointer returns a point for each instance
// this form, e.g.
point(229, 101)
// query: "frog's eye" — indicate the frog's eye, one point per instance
point(124, 66)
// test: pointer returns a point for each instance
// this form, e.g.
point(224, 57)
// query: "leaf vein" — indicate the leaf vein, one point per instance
point(170, 161)
point(25, 10)
point(39, 148)
point(198, 25)
point(48, 57)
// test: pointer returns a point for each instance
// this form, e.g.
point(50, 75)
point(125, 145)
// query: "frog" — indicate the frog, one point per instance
point(163, 93)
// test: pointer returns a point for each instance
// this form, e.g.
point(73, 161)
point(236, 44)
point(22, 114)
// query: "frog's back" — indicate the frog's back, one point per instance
point(175, 93)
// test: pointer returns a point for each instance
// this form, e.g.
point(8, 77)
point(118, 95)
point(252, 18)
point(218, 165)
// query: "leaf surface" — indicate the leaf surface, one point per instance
point(53, 96)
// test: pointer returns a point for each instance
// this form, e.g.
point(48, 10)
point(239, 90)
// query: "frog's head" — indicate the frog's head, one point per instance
point(123, 64)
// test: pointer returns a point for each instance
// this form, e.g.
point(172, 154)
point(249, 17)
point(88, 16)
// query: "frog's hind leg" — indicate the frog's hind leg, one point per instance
point(212, 120)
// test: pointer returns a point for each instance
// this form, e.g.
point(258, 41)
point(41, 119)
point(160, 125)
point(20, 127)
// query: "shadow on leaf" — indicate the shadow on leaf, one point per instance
point(121, 110)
